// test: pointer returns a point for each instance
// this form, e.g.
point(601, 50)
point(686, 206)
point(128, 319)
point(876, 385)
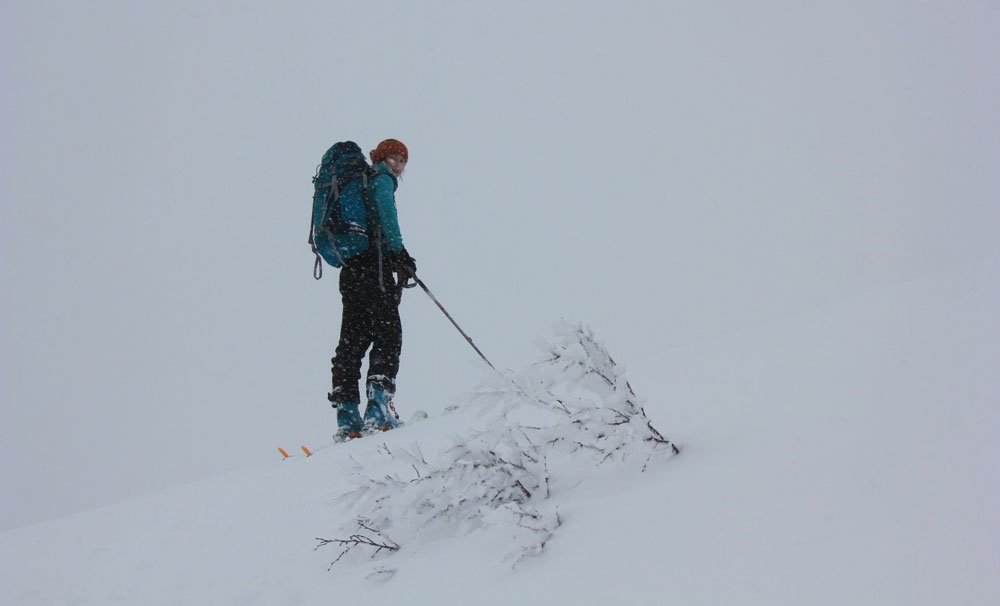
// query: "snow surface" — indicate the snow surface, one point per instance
point(845, 454)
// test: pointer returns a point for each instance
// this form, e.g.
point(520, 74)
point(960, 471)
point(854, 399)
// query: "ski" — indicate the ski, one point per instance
point(418, 415)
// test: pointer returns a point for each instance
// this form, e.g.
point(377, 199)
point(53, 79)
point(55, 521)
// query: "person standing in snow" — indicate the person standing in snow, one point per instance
point(371, 299)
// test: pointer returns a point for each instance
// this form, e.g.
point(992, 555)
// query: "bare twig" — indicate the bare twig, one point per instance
point(382, 543)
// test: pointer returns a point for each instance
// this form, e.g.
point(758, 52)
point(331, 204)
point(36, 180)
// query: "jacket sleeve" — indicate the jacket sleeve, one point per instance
point(384, 195)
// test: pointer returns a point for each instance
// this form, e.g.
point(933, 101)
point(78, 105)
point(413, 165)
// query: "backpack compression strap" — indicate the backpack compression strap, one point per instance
point(318, 266)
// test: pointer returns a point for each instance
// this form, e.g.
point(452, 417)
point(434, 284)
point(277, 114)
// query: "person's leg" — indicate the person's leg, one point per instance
point(355, 338)
point(384, 361)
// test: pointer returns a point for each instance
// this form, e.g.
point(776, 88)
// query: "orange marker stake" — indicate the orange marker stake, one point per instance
point(284, 455)
point(306, 450)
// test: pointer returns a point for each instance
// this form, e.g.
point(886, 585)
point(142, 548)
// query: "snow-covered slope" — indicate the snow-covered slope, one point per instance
point(843, 455)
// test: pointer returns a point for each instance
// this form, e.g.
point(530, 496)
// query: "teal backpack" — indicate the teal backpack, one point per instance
point(340, 214)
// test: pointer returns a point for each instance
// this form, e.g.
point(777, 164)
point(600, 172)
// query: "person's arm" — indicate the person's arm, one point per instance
point(383, 189)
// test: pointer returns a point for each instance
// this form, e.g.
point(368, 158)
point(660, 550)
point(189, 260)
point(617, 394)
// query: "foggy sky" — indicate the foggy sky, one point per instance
point(664, 171)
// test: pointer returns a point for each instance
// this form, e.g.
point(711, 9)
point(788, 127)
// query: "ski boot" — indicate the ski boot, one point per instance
point(349, 423)
point(380, 414)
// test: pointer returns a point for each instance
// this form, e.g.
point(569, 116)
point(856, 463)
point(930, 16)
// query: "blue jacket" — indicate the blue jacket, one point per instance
point(383, 196)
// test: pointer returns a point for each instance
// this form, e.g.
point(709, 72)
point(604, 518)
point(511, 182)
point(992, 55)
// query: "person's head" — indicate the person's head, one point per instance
point(393, 153)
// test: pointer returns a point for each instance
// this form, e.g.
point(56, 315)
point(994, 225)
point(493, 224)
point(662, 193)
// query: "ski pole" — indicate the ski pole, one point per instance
point(448, 315)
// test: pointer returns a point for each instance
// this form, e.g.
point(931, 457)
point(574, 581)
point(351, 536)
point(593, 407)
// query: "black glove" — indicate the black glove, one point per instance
point(406, 265)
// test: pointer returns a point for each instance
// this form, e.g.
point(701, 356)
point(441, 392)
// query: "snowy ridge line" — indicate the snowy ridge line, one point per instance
point(548, 428)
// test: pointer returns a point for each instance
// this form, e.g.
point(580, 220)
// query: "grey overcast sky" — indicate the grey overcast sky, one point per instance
point(665, 171)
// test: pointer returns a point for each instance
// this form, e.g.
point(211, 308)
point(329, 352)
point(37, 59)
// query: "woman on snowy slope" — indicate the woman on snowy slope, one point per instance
point(371, 306)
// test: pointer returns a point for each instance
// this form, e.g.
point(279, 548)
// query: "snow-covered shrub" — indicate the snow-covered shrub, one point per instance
point(546, 428)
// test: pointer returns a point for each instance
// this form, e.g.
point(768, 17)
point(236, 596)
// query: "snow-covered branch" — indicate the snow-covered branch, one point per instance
point(546, 430)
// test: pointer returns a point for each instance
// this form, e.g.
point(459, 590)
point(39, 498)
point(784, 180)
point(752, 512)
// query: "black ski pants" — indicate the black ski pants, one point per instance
point(371, 319)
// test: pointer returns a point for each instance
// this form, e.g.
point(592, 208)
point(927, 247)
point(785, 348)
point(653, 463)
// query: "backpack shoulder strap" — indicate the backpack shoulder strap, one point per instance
point(374, 224)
